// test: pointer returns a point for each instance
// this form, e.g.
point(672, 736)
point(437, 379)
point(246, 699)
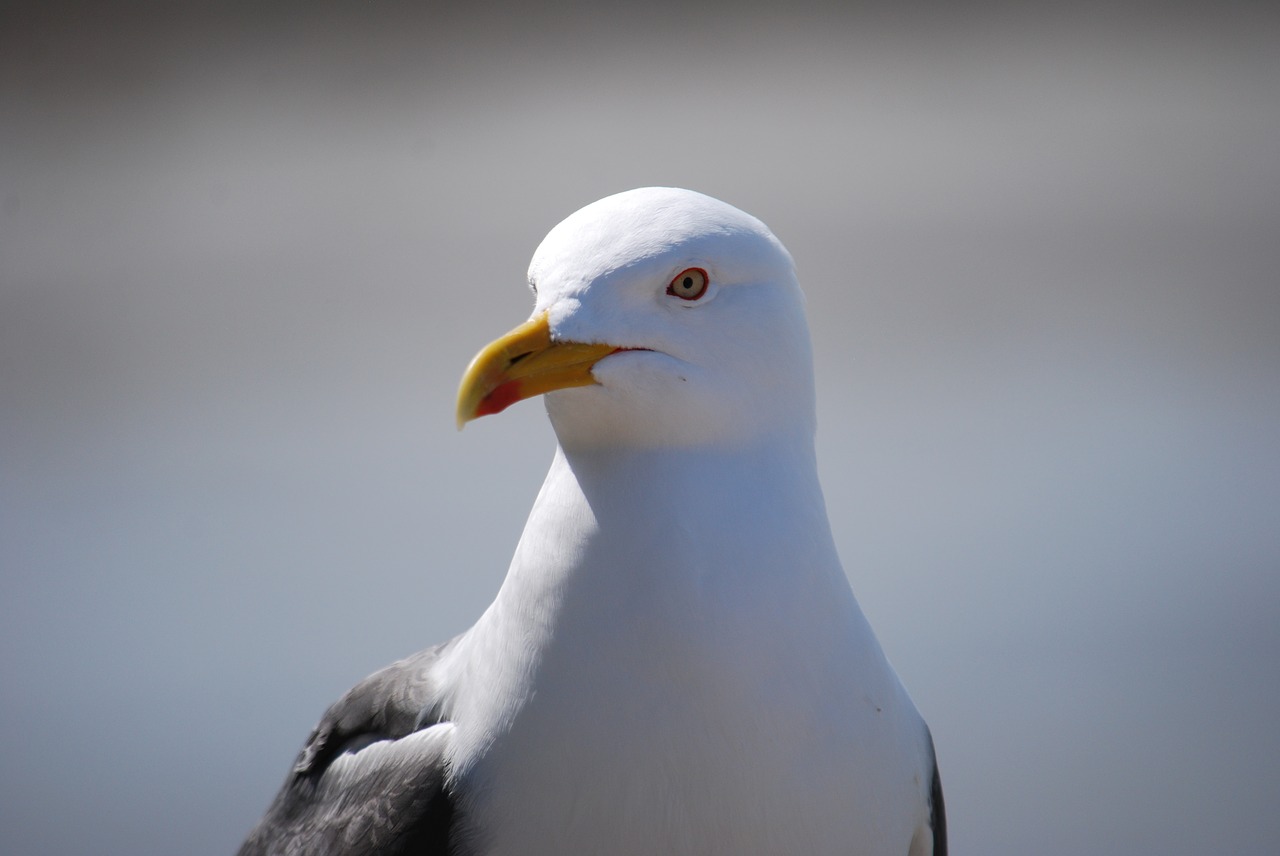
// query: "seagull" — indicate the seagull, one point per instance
point(675, 662)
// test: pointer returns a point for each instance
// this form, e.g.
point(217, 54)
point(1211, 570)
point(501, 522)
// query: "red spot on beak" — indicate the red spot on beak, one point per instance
point(502, 397)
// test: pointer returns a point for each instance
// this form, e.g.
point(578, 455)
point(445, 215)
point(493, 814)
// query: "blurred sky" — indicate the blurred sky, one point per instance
point(247, 250)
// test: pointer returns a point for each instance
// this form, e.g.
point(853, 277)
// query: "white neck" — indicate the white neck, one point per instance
point(677, 591)
point(619, 533)
point(630, 554)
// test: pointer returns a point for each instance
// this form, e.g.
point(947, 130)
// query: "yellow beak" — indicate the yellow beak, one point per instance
point(522, 364)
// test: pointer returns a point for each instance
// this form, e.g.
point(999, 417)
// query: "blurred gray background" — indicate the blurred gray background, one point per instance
point(247, 250)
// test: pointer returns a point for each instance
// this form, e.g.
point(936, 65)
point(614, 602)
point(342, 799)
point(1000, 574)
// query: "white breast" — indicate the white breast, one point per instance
point(682, 669)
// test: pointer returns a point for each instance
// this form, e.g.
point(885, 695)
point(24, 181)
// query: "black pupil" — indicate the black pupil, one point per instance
point(688, 282)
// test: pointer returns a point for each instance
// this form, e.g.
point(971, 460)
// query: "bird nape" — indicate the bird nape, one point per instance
point(675, 662)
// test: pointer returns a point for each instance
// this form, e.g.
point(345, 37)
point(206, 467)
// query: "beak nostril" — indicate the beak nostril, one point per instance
point(518, 357)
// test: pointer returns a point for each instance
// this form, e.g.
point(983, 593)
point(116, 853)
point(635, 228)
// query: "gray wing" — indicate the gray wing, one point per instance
point(371, 779)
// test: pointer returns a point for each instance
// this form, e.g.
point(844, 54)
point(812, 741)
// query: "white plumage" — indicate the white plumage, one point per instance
point(675, 662)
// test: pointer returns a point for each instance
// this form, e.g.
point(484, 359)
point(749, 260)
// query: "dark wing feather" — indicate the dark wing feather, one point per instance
point(388, 798)
point(937, 809)
point(392, 702)
point(371, 779)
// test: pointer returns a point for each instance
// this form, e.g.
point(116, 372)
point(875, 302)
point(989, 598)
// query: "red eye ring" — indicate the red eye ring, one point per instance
point(689, 284)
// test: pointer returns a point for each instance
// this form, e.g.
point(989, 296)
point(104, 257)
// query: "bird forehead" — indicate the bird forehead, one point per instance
point(644, 232)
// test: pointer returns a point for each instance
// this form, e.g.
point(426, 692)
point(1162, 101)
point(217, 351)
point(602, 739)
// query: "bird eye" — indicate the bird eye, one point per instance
point(689, 284)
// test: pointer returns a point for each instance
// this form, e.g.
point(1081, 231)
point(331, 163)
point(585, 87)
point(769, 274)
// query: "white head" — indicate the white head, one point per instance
point(693, 316)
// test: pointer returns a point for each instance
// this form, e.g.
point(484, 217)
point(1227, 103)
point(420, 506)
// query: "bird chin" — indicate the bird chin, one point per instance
point(641, 403)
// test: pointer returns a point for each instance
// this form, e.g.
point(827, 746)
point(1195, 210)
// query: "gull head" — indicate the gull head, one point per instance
point(662, 317)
